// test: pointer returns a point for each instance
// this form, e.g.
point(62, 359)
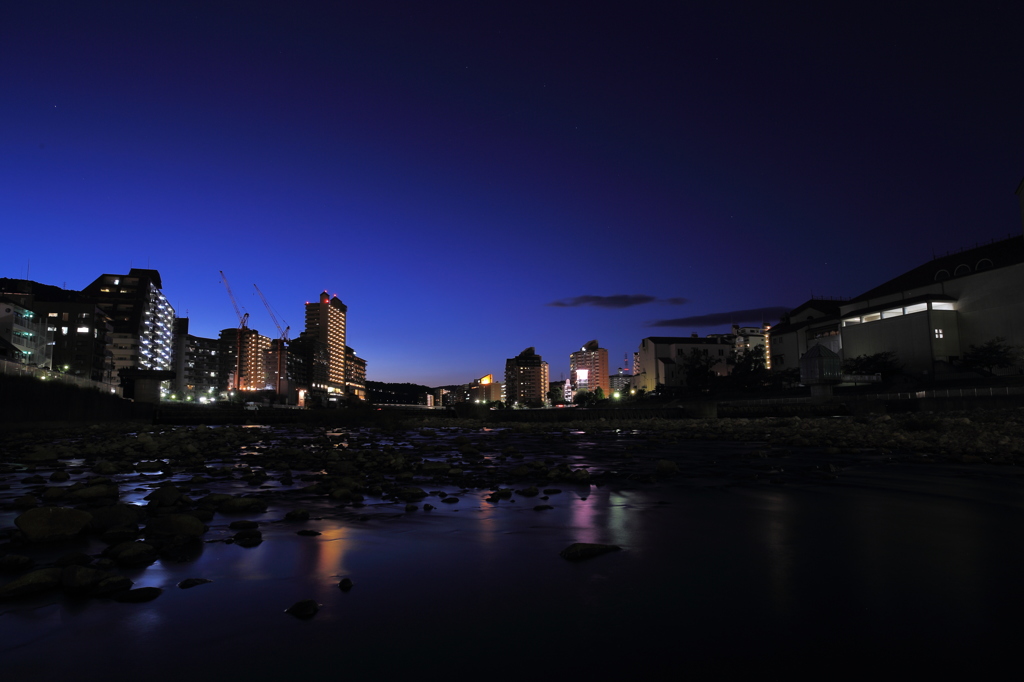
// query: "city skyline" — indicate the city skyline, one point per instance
point(473, 181)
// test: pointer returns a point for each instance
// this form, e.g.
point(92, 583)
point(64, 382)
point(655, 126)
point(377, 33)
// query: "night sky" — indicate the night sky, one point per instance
point(474, 178)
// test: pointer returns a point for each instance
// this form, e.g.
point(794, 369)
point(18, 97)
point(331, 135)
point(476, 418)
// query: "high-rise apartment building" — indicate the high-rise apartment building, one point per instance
point(196, 365)
point(588, 368)
point(355, 374)
point(243, 364)
point(24, 337)
point(143, 320)
point(325, 321)
point(81, 333)
point(526, 379)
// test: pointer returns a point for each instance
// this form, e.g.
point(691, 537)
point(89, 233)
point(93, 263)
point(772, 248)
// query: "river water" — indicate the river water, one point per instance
point(891, 566)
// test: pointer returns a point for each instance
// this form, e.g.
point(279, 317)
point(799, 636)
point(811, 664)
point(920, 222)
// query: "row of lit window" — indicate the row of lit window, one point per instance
point(898, 312)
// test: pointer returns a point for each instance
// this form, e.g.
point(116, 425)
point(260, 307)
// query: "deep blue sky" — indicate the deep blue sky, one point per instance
point(450, 170)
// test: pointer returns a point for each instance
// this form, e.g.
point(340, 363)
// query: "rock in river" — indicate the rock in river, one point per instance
point(176, 524)
point(578, 551)
point(47, 524)
point(306, 608)
point(40, 580)
point(139, 595)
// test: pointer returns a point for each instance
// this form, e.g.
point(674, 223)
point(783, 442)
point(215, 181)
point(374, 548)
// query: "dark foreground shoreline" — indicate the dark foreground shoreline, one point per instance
point(747, 546)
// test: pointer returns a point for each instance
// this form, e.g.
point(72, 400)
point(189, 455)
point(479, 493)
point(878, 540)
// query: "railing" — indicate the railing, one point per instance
point(15, 369)
point(913, 395)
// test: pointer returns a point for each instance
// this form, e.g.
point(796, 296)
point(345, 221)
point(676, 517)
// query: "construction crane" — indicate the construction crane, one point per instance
point(281, 340)
point(243, 324)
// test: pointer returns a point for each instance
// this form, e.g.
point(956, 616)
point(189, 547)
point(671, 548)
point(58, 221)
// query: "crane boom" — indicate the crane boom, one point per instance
point(280, 344)
point(243, 320)
point(282, 332)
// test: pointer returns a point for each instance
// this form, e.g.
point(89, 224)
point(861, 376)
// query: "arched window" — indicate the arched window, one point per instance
point(983, 264)
point(941, 275)
point(962, 269)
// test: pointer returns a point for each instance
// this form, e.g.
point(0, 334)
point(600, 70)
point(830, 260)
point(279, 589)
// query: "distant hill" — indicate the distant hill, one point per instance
point(383, 393)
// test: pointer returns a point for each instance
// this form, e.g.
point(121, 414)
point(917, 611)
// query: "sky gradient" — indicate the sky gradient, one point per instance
point(472, 180)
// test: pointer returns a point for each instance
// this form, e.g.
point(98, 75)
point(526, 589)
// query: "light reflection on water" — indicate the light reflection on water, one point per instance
point(754, 571)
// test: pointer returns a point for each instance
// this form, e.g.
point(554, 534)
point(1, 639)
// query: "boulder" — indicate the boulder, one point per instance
point(306, 608)
point(112, 584)
point(297, 515)
point(248, 538)
point(25, 502)
point(59, 476)
point(116, 516)
point(176, 524)
point(243, 524)
point(193, 582)
point(666, 467)
point(410, 493)
point(119, 534)
point(80, 580)
point(242, 505)
point(16, 563)
point(578, 551)
point(132, 554)
point(94, 492)
point(142, 594)
point(40, 580)
point(106, 468)
point(49, 524)
point(166, 495)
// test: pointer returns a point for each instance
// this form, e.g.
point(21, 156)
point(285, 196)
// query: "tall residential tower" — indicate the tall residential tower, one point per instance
point(588, 368)
point(325, 321)
point(526, 379)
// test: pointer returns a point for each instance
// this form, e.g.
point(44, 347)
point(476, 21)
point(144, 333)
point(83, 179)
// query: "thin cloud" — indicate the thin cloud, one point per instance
point(752, 315)
point(616, 301)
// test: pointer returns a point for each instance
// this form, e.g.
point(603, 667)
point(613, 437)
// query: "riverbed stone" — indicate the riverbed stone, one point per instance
point(79, 580)
point(139, 595)
point(410, 493)
point(243, 524)
point(176, 524)
point(132, 554)
point(242, 505)
point(305, 608)
point(94, 492)
point(578, 551)
point(166, 495)
point(116, 516)
point(297, 515)
point(33, 582)
point(249, 537)
point(16, 563)
point(51, 524)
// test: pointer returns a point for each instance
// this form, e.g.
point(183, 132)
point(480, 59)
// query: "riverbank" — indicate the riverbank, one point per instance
point(757, 543)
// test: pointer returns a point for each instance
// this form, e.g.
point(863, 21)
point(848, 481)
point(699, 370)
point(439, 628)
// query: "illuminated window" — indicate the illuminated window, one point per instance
point(895, 312)
point(916, 308)
point(938, 333)
point(942, 305)
point(872, 317)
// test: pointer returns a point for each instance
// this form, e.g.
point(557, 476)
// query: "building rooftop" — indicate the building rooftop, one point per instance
point(997, 254)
